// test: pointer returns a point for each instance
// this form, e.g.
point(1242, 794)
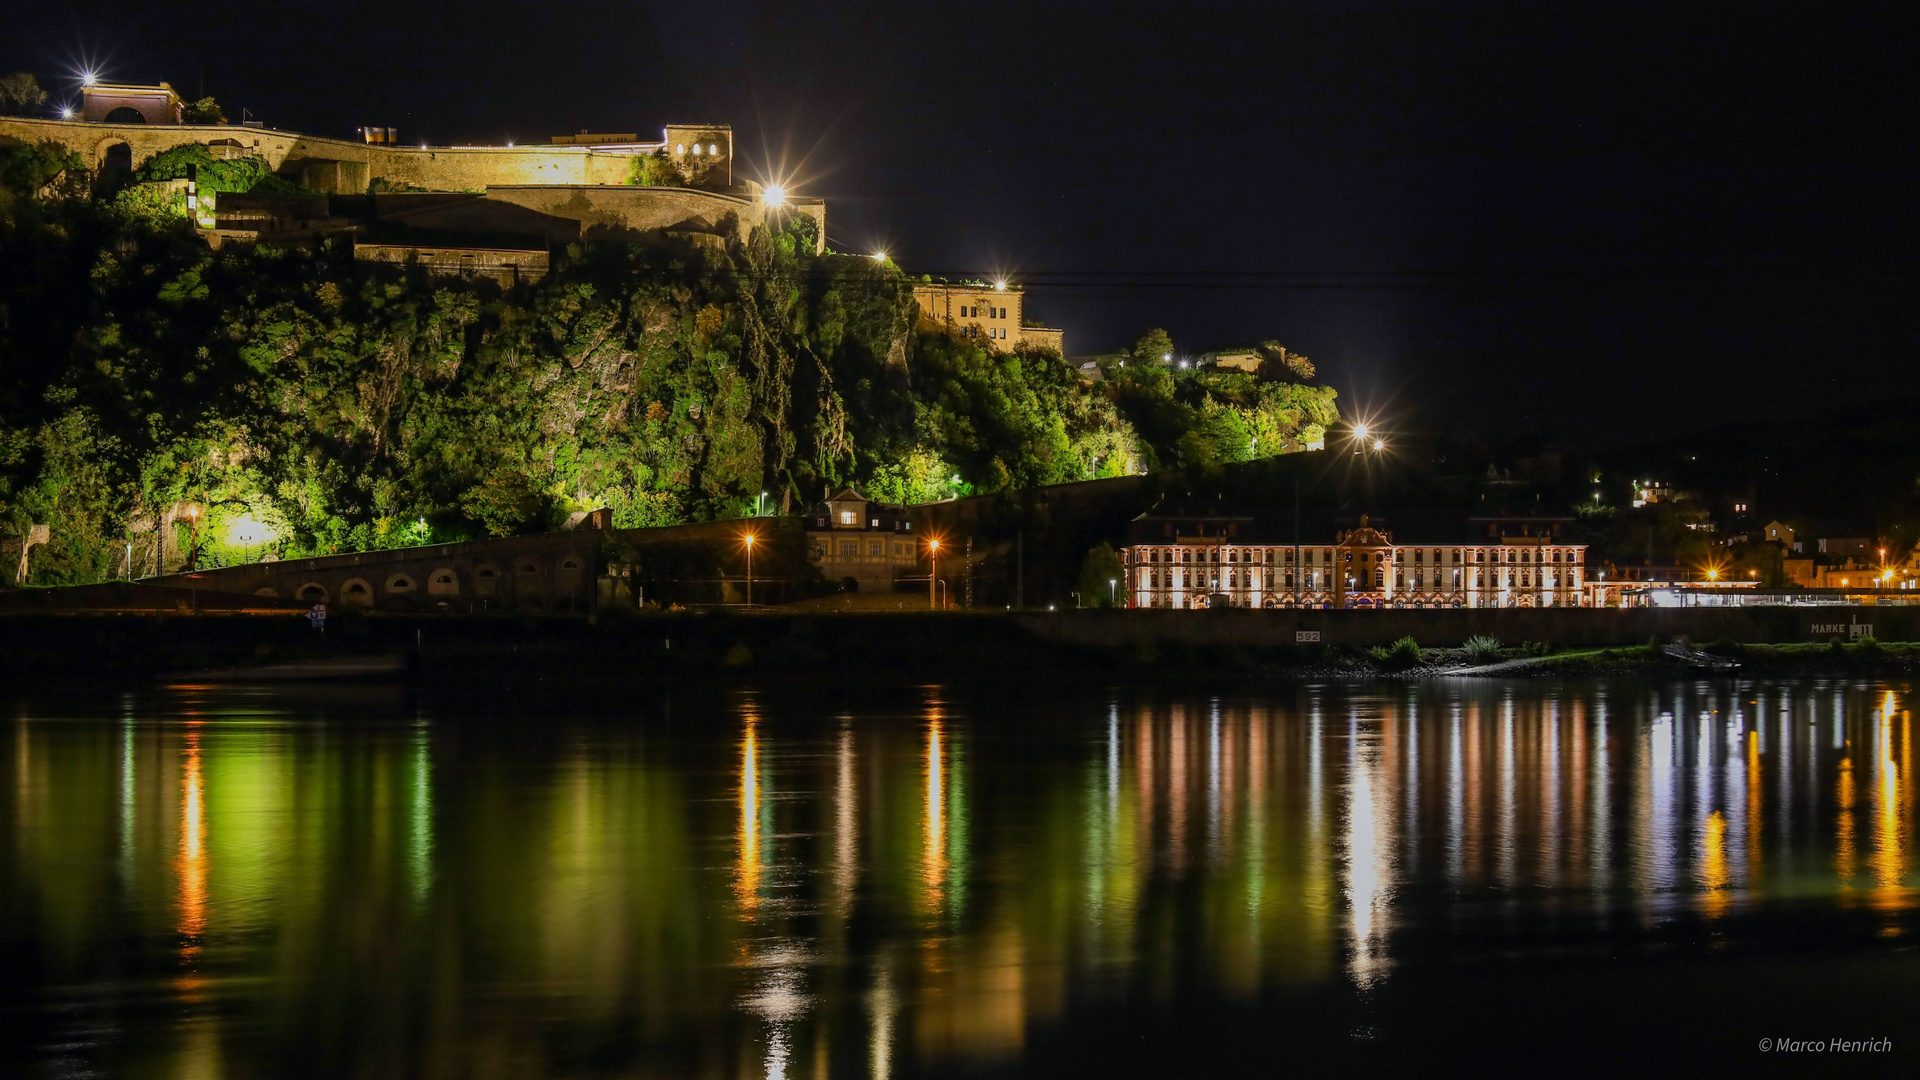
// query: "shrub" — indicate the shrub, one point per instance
point(1483, 648)
point(1404, 653)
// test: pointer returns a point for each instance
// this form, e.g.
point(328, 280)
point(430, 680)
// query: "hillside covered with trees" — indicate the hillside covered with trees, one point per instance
point(310, 404)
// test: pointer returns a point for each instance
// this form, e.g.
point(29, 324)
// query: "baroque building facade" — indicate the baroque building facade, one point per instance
point(1181, 557)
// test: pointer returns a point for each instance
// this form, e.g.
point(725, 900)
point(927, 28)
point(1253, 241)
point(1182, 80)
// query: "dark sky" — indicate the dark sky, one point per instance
point(1598, 221)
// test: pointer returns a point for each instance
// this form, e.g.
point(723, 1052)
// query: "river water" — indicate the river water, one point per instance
point(801, 882)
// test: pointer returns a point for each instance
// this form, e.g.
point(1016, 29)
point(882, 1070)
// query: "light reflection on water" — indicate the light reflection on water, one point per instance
point(216, 883)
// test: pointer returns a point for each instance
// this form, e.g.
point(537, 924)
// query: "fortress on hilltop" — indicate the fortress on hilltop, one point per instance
point(494, 212)
point(576, 186)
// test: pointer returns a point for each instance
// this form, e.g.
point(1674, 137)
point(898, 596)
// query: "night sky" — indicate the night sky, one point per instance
point(1596, 222)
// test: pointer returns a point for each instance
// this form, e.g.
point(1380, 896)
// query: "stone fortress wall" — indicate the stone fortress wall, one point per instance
point(586, 183)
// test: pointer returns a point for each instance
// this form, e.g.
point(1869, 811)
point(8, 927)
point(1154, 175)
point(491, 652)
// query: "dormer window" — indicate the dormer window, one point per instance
point(847, 517)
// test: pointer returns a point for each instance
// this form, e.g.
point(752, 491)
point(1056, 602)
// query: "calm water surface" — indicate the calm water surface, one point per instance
point(1585, 876)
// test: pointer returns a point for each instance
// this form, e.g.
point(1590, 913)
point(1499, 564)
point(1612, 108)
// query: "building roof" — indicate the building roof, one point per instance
point(1274, 524)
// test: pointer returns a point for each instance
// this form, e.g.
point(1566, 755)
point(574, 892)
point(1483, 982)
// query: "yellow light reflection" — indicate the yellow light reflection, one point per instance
point(192, 862)
point(746, 881)
point(1889, 858)
point(1713, 868)
point(1843, 854)
point(934, 857)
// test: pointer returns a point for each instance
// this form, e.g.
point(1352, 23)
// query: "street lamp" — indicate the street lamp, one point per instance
point(933, 553)
point(750, 539)
point(1113, 600)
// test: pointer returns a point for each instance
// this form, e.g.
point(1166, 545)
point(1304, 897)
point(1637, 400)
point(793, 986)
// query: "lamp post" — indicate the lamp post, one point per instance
point(750, 539)
point(1112, 587)
point(933, 555)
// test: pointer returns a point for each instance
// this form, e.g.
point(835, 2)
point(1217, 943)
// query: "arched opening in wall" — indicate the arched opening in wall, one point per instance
point(399, 583)
point(486, 580)
point(125, 115)
point(849, 584)
point(526, 578)
point(443, 582)
point(116, 167)
point(567, 581)
point(268, 591)
point(356, 592)
point(313, 593)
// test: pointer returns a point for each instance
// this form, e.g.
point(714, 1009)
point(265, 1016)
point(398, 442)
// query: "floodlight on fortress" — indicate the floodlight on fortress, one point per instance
point(66, 112)
point(1001, 284)
point(879, 256)
point(89, 78)
point(774, 195)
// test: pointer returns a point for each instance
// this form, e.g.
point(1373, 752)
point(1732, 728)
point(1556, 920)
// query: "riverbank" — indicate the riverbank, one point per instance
point(1109, 646)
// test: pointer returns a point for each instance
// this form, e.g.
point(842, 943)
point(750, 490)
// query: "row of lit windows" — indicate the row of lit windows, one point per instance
point(1184, 580)
point(850, 549)
point(713, 149)
point(998, 333)
point(972, 311)
point(1326, 555)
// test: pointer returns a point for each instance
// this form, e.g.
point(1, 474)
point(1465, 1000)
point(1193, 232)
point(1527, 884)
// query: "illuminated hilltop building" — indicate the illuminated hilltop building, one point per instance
point(987, 312)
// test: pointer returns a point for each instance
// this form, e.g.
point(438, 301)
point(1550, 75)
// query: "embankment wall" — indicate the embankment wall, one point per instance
point(1246, 627)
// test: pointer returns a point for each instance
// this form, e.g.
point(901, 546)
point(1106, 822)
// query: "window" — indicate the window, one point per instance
point(874, 522)
point(875, 547)
point(680, 149)
point(713, 148)
point(849, 549)
point(696, 149)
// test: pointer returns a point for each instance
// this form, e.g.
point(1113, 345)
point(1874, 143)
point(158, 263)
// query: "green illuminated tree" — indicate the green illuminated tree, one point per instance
point(1103, 581)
